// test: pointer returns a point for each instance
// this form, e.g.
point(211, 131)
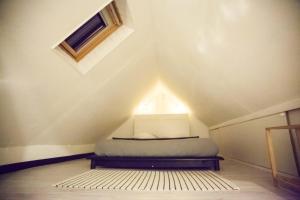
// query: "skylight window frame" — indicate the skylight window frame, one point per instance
point(112, 20)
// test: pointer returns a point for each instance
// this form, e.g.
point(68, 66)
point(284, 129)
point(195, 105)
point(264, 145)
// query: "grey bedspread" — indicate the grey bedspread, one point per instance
point(192, 147)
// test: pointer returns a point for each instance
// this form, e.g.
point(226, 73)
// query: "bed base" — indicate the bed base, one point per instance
point(157, 162)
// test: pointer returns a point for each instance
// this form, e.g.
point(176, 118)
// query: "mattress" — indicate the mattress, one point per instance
point(190, 147)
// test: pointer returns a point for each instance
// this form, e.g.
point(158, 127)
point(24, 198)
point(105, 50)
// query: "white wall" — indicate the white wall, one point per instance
point(36, 152)
point(45, 101)
point(228, 59)
point(294, 116)
point(225, 62)
point(246, 141)
point(197, 128)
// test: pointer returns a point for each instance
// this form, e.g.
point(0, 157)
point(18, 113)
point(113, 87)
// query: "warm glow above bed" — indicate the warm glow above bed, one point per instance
point(160, 100)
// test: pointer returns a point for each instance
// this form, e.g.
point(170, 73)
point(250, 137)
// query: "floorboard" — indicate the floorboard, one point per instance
point(36, 183)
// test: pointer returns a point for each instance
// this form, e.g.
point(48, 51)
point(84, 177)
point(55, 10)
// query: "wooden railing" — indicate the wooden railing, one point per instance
point(292, 183)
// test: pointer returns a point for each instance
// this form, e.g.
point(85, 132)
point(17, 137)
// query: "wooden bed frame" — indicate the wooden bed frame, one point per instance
point(157, 162)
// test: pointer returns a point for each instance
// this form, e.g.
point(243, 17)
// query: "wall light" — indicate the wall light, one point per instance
point(160, 100)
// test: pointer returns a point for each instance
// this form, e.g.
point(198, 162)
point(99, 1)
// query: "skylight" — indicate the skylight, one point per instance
point(81, 36)
point(92, 32)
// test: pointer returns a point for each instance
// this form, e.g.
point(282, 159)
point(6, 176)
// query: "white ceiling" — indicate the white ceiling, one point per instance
point(225, 59)
point(229, 58)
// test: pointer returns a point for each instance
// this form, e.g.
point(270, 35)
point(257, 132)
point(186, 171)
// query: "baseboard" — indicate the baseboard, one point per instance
point(35, 163)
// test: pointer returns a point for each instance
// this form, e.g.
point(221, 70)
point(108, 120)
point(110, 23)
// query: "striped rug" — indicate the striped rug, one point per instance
point(148, 180)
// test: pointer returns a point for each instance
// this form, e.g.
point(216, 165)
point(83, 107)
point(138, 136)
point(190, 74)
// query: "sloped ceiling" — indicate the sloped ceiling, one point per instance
point(224, 58)
point(45, 100)
point(229, 58)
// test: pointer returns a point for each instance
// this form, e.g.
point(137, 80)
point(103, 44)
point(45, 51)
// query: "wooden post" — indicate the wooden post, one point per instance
point(271, 156)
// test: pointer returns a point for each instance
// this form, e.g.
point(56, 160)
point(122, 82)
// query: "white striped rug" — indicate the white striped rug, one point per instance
point(148, 180)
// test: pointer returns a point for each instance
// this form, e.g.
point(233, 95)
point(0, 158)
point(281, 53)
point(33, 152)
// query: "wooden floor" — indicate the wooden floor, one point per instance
point(36, 183)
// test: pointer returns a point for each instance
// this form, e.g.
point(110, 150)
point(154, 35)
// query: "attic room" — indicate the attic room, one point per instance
point(150, 99)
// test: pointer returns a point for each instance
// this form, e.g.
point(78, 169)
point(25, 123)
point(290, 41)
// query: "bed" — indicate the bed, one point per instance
point(182, 152)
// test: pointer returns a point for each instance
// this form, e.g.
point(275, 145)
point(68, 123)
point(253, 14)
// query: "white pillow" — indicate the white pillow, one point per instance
point(144, 135)
point(163, 126)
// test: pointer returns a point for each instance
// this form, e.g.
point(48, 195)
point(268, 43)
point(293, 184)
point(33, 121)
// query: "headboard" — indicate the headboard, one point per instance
point(165, 125)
